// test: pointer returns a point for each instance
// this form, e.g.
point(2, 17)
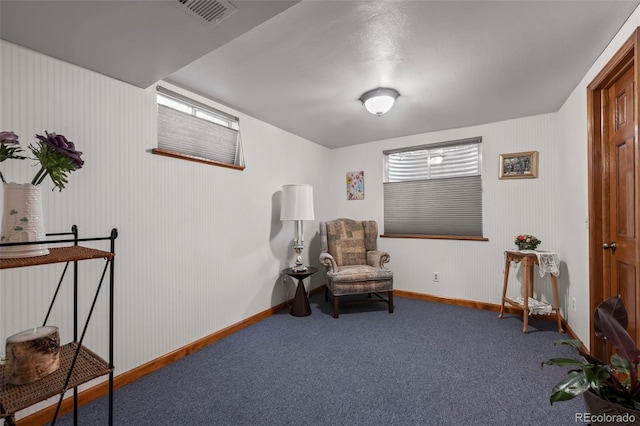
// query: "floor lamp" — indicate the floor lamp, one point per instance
point(297, 205)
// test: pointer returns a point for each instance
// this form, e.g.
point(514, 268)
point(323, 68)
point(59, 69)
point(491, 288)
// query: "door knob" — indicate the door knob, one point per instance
point(611, 246)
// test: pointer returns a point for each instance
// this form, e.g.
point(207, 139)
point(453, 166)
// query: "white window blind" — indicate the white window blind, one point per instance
point(434, 189)
point(189, 128)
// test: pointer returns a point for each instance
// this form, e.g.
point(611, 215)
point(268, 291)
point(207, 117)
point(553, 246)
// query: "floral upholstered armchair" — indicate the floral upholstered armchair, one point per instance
point(354, 264)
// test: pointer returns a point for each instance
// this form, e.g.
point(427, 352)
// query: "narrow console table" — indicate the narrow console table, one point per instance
point(547, 263)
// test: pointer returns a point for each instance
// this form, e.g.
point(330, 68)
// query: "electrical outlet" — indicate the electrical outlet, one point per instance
point(573, 304)
point(436, 277)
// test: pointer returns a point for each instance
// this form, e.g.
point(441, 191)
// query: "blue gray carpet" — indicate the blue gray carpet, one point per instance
point(425, 364)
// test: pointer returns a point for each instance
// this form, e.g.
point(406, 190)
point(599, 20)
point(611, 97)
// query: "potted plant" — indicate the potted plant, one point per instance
point(611, 391)
point(22, 214)
point(527, 242)
point(56, 156)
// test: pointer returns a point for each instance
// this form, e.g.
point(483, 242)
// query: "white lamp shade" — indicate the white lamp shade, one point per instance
point(297, 202)
point(379, 101)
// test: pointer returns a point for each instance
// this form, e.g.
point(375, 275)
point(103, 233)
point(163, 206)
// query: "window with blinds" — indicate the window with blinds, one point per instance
point(434, 189)
point(190, 130)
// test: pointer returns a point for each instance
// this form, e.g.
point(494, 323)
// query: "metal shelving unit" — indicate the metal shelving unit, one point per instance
point(78, 364)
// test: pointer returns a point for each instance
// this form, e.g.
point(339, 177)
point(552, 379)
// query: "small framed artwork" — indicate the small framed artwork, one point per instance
point(519, 165)
point(355, 185)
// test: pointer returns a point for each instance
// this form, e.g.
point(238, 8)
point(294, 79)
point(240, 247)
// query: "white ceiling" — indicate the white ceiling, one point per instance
point(137, 41)
point(303, 66)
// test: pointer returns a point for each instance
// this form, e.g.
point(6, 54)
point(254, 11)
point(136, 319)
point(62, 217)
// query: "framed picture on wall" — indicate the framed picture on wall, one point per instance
point(355, 185)
point(519, 165)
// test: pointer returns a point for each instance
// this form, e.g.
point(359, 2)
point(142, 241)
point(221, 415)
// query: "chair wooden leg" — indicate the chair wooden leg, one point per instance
point(336, 306)
point(390, 296)
point(326, 294)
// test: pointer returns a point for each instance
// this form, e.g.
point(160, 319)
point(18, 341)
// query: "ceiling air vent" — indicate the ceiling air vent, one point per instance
point(211, 11)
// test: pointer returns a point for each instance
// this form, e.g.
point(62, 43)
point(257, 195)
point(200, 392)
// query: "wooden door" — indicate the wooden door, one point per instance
point(621, 253)
point(614, 182)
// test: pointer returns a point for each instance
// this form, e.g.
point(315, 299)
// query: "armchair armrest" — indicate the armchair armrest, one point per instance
point(377, 258)
point(327, 260)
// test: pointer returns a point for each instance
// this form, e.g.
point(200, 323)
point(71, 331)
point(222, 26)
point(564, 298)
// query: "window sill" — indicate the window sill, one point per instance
point(173, 154)
point(435, 237)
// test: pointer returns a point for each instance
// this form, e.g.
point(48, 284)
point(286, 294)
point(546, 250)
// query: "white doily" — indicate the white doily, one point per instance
point(536, 307)
point(548, 261)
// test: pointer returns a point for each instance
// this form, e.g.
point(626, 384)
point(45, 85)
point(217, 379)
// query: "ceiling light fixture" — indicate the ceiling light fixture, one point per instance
point(380, 100)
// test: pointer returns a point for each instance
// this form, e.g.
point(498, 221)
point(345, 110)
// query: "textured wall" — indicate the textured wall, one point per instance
point(200, 247)
point(470, 270)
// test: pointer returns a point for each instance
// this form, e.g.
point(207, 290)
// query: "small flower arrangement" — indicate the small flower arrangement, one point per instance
point(56, 155)
point(527, 242)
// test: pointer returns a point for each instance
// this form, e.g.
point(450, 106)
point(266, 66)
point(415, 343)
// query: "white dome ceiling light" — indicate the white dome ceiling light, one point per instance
point(379, 101)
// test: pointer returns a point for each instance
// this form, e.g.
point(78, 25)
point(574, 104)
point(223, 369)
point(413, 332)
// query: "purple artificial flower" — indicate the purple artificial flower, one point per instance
point(9, 148)
point(8, 138)
point(61, 145)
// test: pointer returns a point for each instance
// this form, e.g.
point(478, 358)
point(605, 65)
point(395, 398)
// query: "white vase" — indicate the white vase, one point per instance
point(22, 221)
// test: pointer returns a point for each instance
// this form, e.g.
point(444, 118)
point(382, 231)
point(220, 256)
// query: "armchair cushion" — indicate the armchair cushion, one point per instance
point(358, 279)
point(356, 273)
point(347, 244)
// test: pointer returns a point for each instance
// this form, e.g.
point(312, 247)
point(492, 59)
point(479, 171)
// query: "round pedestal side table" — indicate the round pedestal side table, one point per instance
point(300, 306)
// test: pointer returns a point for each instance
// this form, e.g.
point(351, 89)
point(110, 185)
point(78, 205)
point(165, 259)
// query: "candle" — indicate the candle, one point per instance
point(32, 354)
point(34, 333)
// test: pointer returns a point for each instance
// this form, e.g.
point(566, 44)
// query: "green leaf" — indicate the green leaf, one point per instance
point(620, 364)
point(570, 386)
point(597, 377)
point(564, 362)
point(53, 164)
point(571, 342)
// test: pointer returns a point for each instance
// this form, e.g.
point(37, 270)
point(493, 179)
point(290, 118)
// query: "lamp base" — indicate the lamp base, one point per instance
point(298, 246)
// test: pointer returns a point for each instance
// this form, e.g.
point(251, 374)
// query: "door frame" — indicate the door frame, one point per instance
point(598, 167)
